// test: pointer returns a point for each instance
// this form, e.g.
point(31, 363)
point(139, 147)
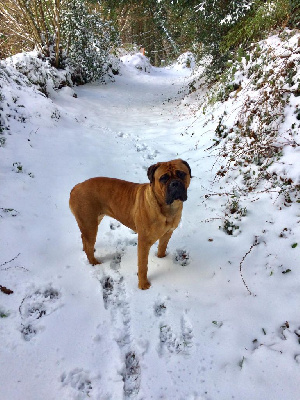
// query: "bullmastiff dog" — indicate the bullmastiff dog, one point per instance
point(153, 210)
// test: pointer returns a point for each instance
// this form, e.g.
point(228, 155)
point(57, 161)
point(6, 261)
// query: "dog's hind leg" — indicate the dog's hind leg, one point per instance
point(88, 236)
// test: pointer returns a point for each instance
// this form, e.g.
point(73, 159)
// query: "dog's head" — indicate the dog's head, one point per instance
point(170, 180)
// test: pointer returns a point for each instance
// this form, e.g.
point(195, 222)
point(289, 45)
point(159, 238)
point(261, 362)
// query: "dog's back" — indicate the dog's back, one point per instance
point(90, 200)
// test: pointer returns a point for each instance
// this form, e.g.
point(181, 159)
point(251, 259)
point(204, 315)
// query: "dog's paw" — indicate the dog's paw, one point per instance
point(144, 285)
point(94, 261)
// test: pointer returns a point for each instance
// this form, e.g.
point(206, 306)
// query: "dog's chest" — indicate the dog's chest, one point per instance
point(172, 221)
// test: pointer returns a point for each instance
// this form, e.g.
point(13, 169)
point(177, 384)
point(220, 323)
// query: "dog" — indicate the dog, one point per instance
point(153, 210)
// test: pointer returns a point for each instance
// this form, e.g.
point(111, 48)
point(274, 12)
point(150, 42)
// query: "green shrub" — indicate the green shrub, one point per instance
point(294, 20)
point(67, 33)
point(265, 16)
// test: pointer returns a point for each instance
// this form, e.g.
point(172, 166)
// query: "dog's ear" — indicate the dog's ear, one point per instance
point(151, 171)
point(189, 168)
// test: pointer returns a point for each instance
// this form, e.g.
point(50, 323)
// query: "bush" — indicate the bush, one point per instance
point(39, 72)
point(294, 21)
point(87, 41)
point(264, 17)
point(69, 33)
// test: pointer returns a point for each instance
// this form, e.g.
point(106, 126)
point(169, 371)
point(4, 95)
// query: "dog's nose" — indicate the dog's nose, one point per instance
point(174, 184)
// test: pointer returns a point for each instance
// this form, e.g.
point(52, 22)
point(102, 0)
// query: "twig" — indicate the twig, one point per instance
point(209, 219)
point(6, 262)
point(217, 194)
point(241, 263)
point(12, 266)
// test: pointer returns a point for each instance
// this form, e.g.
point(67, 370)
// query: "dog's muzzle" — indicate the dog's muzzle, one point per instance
point(176, 191)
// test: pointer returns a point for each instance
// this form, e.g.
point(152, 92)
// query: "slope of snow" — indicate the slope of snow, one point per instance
point(73, 331)
point(138, 61)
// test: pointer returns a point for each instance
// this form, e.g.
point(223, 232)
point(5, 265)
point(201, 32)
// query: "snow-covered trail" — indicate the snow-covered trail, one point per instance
point(137, 106)
point(75, 331)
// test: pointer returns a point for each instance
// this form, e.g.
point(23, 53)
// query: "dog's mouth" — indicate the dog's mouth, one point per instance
point(175, 191)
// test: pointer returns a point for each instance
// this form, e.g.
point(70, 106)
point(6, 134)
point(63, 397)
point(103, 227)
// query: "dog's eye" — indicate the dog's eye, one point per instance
point(164, 178)
point(181, 174)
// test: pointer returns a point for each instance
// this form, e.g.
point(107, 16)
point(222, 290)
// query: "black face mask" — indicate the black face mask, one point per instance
point(175, 191)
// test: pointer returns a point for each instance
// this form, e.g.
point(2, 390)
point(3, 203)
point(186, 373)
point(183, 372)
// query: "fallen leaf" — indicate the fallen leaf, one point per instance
point(4, 290)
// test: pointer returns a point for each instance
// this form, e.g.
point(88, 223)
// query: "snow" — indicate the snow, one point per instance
point(185, 60)
point(74, 331)
point(138, 61)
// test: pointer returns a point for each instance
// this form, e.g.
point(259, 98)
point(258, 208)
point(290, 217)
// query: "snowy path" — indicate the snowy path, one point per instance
point(75, 331)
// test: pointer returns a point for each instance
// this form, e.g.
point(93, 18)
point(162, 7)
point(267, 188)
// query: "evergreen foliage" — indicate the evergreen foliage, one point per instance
point(214, 19)
point(226, 25)
point(86, 40)
point(294, 20)
point(263, 17)
point(66, 32)
point(81, 33)
point(164, 28)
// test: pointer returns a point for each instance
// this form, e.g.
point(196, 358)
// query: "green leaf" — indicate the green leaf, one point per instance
point(3, 315)
point(294, 245)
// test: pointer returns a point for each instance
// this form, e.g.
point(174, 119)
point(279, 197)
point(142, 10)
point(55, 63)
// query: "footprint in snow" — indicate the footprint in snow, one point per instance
point(116, 301)
point(107, 283)
point(123, 135)
point(131, 375)
point(112, 287)
point(116, 261)
point(152, 155)
point(141, 147)
point(179, 343)
point(181, 257)
point(78, 382)
point(8, 212)
point(114, 225)
point(35, 306)
point(159, 308)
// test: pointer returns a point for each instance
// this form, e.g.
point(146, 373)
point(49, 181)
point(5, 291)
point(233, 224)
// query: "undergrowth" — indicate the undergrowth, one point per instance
point(263, 84)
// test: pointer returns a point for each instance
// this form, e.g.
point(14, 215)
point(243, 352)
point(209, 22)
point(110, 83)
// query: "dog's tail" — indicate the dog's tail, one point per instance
point(71, 200)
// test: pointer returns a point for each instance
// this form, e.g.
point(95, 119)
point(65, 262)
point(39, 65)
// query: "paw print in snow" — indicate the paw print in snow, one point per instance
point(180, 343)
point(132, 374)
point(35, 306)
point(159, 309)
point(79, 383)
point(107, 283)
point(114, 225)
point(182, 257)
point(115, 263)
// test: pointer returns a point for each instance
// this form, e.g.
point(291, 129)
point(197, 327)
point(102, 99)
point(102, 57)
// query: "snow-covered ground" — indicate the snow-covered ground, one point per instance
point(74, 331)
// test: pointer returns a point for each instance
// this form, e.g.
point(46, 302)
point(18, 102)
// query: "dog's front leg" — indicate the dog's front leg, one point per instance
point(143, 253)
point(163, 243)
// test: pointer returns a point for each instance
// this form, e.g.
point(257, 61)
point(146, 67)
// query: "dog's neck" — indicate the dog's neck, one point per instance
point(169, 210)
point(172, 209)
